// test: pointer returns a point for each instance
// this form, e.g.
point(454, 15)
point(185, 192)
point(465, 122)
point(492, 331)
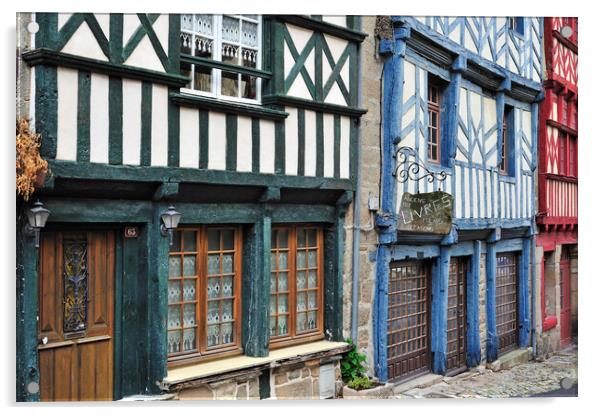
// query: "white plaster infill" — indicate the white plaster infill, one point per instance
point(202, 370)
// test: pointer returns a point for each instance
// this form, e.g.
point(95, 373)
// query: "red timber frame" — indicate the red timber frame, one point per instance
point(557, 209)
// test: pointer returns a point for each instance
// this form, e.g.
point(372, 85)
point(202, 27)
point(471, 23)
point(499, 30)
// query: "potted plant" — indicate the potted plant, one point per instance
point(357, 383)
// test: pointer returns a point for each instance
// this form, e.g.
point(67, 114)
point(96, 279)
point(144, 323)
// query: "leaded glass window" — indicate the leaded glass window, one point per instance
point(296, 283)
point(231, 39)
point(75, 283)
point(204, 292)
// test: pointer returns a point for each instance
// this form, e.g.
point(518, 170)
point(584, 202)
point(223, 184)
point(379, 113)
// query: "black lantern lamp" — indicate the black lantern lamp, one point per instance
point(37, 217)
point(170, 219)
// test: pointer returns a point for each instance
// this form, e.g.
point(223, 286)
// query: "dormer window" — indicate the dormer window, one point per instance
point(214, 49)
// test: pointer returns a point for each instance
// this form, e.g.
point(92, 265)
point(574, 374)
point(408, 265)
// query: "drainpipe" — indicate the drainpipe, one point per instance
point(533, 297)
point(355, 266)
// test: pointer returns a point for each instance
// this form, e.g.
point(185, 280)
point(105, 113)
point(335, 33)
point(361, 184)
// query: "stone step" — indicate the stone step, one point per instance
point(511, 359)
point(420, 382)
point(148, 398)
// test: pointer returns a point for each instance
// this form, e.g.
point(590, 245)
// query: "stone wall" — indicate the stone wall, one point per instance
point(574, 251)
point(305, 380)
point(369, 159)
point(23, 87)
point(483, 306)
point(243, 388)
point(302, 382)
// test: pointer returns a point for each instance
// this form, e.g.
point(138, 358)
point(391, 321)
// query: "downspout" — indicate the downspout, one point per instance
point(533, 297)
point(355, 266)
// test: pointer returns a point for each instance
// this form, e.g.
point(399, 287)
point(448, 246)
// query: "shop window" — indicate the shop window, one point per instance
point(234, 40)
point(296, 284)
point(204, 289)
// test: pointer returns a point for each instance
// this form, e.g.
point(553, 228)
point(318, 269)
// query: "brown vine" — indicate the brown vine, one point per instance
point(31, 168)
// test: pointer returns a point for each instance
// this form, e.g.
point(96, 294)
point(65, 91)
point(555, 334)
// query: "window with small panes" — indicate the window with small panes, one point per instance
point(296, 284)
point(434, 122)
point(230, 39)
point(204, 293)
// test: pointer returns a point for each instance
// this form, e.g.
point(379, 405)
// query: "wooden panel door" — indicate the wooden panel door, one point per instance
point(456, 316)
point(565, 299)
point(408, 346)
point(77, 273)
point(506, 301)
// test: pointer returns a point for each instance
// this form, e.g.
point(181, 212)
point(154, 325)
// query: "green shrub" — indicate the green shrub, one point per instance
point(360, 383)
point(352, 364)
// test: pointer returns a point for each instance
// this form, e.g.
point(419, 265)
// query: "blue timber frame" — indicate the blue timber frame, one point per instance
point(478, 236)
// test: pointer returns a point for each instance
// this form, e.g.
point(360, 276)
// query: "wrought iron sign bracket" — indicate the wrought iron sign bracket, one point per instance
point(408, 169)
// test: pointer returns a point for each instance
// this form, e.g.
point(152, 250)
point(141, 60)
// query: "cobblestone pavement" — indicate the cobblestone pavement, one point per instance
point(520, 381)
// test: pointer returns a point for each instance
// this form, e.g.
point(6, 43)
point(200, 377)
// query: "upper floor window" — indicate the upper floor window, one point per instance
point(296, 284)
point(233, 40)
point(504, 145)
point(434, 126)
point(506, 156)
point(565, 111)
point(567, 155)
point(516, 24)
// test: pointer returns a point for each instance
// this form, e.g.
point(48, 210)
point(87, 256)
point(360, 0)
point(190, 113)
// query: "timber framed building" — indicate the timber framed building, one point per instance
point(462, 93)
point(248, 126)
point(556, 242)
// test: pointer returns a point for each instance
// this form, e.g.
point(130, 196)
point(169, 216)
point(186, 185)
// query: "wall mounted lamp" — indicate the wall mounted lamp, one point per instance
point(170, 219)
point(36, 218)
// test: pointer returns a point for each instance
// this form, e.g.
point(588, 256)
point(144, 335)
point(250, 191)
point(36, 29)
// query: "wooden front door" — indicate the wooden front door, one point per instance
point(506, 301)
point(565, 299)
point(408, 352)
point(456, 316)
point(77, 273)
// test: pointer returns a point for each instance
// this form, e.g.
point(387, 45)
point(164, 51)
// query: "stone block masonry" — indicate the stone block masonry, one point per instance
point(297, 381)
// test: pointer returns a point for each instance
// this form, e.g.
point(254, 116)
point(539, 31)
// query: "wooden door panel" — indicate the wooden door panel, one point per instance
point(408, 352)
point(95, 369)
point(507, 301)
point(50, 324)
point(76, 315)
point(456, 315)
point(101, 260)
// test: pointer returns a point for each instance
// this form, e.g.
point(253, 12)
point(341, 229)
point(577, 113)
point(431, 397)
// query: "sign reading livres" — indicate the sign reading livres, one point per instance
point(426, 213)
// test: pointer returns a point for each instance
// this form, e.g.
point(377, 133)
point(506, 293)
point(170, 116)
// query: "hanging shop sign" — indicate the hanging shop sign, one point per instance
point(426, 213)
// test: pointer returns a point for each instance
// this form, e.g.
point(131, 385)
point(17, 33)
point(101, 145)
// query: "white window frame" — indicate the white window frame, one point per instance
point(216, 74)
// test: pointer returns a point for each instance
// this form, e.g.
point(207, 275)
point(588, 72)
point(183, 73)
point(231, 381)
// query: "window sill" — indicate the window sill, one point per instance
point(199, 101)
point(506, 178)
point(206, 370)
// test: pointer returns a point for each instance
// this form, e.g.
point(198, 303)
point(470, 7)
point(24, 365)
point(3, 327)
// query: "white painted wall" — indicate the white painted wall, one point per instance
point(66, 146)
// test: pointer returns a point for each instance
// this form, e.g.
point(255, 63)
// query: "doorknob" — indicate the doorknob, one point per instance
point(43, 340)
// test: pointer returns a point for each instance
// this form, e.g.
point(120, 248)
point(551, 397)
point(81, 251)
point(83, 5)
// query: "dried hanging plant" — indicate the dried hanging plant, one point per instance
point(31, 167)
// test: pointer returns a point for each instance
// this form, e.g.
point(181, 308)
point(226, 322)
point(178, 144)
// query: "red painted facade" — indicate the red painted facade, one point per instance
point(558, 143)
